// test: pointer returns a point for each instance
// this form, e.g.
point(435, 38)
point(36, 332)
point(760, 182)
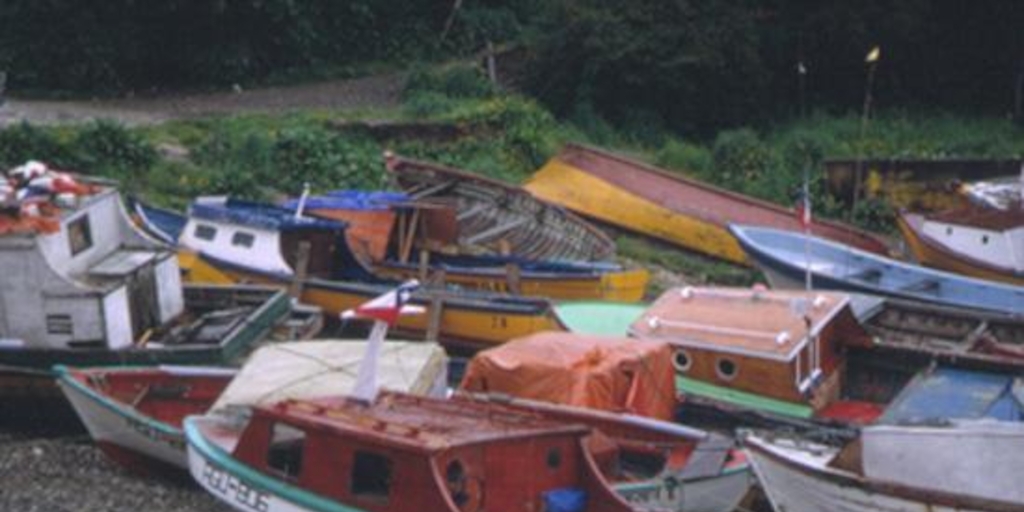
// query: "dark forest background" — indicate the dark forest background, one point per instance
point(686, 66)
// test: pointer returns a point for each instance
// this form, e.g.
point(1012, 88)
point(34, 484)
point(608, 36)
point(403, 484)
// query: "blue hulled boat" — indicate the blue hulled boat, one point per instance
point(785, 258)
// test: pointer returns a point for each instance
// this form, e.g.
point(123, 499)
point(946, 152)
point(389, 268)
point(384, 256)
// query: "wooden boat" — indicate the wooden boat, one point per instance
point(950, 441)
point(682, 211)
point(784, 257)
point(460, 454)
point(82, 286)
point(632, 382)
point(309, 257)
point(503, 218)
point(135, 414)
point(381, 236)
point(933, 329)
point(977, 242)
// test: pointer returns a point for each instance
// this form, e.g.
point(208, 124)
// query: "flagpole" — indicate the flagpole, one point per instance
point(872, 61)
point(805, 217)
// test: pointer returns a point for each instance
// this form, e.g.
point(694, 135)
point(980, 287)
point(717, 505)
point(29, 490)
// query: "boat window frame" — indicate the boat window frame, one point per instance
point(680, 368)
point(370, 472)
point(291, 447)
point(726, 376)
point(79, 235)
point(207, 232)
point(244, 239)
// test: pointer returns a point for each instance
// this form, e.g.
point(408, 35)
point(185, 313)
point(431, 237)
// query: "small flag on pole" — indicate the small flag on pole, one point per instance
point(873, 55)
point(387, 307)
point(803, 206)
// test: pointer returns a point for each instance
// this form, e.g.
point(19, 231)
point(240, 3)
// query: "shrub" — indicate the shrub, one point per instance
point(23, 142)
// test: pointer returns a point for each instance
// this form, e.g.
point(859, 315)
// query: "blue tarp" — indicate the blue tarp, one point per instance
point(947, 393)
point(261, 215)
point(362, 200)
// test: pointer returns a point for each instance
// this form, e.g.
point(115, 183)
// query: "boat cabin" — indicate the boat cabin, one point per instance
point(989, 236)
point(785, 345)
point(403, 453)
point(78, 274)
point(266, 238)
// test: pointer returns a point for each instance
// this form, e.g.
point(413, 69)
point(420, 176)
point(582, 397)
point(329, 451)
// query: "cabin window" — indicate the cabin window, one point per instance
point(949, 230)
point(59, 324)
point(726, 368)
point(455, 479)
point(681, 360)
point(371, 475)
point(205, 232)
point(79, 235)
point(984, 239)
point(554, 458)
point(285, 453)
point(243, 239)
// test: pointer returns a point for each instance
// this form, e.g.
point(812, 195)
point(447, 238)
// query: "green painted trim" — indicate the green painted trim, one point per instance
point(64, 377)
point(742, 398)
point(255, 479)
point(599, 318)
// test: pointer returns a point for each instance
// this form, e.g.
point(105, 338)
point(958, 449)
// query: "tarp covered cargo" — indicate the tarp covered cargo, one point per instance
point(325, 368)
point(609, 373)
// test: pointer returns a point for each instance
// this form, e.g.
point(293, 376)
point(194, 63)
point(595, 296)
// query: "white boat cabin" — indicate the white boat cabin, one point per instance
point(76, 273)
point(261, 236)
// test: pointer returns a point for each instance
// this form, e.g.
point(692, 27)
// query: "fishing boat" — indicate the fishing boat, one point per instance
point(82, 286)
point(135, 414)
point(381, 233)
point(625, 388)
point(452, 455)
point(785, 258)
point(938, 330)
point(682, 211)
point(229, 240)
point(504, 218)
point(979, 242)
point(950, 441)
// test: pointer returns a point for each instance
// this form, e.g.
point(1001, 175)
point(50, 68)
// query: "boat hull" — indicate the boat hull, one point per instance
point(494, 214)
point(612, 285)
point(927, 252)
point(795, 481)
point(473, 321)
point(134, 440)
point(785, 257)
point(653, 202)
point(716, 494)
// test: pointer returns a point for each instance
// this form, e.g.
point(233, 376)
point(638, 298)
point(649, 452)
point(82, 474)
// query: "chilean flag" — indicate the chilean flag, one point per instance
point(387, 307)
point(803, 207)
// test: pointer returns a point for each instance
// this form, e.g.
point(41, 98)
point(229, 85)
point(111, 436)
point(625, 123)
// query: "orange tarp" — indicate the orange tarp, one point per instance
point(609, 373)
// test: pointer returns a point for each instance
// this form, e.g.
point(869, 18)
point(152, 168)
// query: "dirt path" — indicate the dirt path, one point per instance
point(379, 91)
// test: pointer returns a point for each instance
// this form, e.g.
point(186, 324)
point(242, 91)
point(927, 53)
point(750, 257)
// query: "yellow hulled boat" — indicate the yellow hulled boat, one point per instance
point(685, 212)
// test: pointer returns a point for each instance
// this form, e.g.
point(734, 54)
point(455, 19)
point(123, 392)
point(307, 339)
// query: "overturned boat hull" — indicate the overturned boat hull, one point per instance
point(685, 212)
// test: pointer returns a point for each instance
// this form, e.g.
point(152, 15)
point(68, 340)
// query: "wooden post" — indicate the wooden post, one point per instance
point(492, 69)
point(434, 322)
point(301, 269)
point(512, 277)
point(424, 267)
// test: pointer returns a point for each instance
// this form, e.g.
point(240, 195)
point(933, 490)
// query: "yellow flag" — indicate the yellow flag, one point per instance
point(873, 55)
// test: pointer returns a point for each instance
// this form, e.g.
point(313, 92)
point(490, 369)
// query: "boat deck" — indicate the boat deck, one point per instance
point(774, 323)
point(423, 423)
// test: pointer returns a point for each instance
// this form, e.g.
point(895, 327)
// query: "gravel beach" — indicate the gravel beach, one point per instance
point(67, 473)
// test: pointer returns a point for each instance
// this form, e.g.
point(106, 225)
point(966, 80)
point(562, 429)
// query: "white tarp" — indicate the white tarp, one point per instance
point(310, 369)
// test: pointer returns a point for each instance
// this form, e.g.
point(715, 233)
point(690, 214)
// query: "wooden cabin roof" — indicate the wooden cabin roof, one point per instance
point(423, 423)
point(759, 323)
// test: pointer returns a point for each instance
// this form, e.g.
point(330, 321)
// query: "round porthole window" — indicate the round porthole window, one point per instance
point(681, 361)
point(726, 369)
